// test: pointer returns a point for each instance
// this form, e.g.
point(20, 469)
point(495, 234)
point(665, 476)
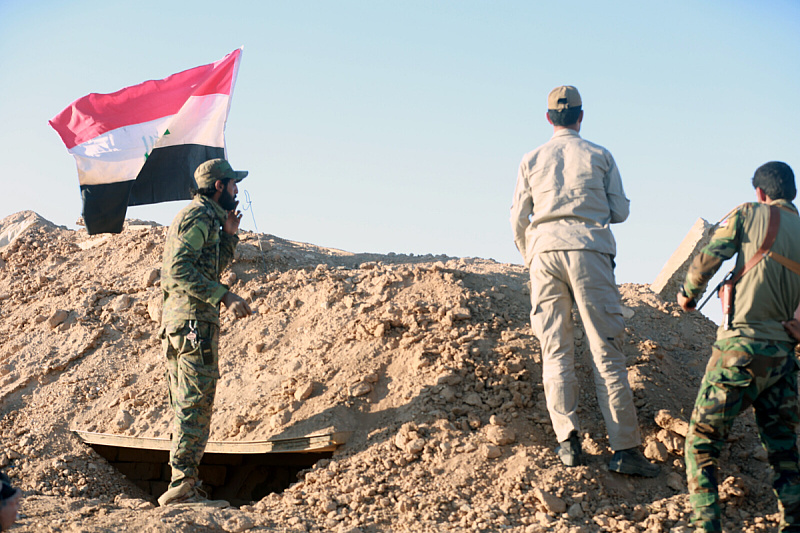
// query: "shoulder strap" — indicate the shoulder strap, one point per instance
point(794, 266)
point(774, 222)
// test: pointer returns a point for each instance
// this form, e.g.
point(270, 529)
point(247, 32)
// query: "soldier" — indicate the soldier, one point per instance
point(568, 193)
point(752, 361)
point(200, 244)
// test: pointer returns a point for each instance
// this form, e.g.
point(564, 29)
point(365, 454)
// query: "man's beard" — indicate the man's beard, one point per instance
point(227, 201)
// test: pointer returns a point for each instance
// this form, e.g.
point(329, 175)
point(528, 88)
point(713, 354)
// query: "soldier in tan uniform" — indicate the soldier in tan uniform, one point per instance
point(568, 193)
point(200, 245)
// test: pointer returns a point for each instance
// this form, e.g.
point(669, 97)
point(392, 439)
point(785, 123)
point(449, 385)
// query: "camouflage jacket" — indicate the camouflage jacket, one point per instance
point(196, 252)
point(768, 293)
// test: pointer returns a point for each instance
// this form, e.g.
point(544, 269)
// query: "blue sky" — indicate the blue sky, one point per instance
point(378, 126)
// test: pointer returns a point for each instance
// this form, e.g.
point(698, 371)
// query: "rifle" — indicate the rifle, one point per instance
point(716, 290)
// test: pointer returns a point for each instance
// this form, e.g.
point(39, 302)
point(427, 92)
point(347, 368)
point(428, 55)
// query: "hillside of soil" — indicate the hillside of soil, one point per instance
point(428, 361)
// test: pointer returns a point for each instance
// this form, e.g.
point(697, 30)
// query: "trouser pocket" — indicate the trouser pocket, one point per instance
point(194, 347)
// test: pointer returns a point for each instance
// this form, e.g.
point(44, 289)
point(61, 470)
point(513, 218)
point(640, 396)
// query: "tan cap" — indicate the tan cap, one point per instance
point(216, 169)
point(564, 97)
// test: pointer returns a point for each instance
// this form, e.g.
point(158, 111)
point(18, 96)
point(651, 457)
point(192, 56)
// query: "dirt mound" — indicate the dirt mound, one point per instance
point(15, 225)
point(427, 360)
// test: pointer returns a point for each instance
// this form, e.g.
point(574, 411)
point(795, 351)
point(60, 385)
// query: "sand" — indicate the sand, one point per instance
point(428, 360)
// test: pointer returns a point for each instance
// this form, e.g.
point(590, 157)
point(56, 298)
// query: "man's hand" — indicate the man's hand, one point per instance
point(236, 305)
point(793, 328)
point(686, 303)
point(231, 225)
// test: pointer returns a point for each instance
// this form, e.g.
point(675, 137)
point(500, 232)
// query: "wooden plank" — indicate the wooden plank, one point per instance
point(311, 443)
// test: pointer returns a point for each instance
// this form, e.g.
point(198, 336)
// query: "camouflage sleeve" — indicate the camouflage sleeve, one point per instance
point(186, 257)
point(227, 245)
point(724, 244)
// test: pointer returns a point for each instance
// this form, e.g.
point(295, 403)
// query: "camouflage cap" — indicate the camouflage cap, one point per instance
point(564, 97)
point(216, 169)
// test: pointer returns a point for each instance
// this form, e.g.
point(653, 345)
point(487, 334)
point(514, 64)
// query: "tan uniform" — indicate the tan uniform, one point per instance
point(568, 192)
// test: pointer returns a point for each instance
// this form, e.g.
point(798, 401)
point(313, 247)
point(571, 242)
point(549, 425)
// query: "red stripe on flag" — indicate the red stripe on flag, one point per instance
point(96, 114)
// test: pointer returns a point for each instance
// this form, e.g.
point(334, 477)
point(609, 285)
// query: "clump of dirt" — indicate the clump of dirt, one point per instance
point(428, 361)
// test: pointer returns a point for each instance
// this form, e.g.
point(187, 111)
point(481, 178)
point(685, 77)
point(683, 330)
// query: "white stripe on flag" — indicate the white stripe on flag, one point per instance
point(118, 155)
point(93, 171)
point(200, 121)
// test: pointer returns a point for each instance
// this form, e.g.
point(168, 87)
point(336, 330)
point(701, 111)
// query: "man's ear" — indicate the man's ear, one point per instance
point(218, 185)
point(547, 116)
point(761, 196)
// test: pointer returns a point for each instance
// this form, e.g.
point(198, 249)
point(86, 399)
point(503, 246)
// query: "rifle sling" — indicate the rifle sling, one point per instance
point(794, 266)
point(773, 224)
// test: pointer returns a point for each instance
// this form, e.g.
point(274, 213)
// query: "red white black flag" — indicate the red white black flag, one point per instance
point(141, 145)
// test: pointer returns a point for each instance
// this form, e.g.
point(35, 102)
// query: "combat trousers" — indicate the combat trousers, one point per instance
point(744, 372)
point(192, 374)
point(559, 280)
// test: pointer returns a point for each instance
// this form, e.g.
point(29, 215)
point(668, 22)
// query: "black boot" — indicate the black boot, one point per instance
point(570, 451)
point(633, 463)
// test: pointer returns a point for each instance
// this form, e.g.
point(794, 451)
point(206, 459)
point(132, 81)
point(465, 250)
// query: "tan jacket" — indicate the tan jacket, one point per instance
point(568, 193)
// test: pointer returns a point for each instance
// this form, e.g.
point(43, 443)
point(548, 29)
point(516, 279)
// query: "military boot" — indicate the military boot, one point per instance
point(570, 451)
point(189, 493)
point(632, 462)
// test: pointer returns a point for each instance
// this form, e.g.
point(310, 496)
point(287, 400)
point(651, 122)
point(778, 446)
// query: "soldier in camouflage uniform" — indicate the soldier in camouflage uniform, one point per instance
point(200, 244)
point(752, 362)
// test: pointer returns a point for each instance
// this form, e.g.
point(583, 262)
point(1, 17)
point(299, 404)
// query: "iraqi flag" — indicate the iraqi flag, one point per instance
point(142, 144)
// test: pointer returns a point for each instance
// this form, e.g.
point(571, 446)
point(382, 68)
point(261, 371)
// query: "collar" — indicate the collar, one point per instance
point(784, 204)
point(564, 132)
point(208, 203)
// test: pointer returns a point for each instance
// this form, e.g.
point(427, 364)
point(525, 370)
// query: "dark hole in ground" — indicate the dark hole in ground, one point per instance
point(239, 478)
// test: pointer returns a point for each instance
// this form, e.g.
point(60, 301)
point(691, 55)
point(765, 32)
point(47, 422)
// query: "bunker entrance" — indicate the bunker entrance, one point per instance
point(240, 472)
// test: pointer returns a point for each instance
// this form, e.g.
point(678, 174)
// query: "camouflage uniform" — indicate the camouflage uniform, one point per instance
point(751, 364)
point(195, 253)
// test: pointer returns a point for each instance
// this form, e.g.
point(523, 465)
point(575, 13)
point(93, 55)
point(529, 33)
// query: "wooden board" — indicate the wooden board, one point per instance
point(312, 443)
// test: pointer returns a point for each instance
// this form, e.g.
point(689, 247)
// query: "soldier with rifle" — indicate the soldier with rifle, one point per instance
point(753, 359)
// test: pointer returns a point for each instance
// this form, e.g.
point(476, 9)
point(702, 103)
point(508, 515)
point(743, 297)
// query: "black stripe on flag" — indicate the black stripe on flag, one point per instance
point(104, 206)
point(168, 173)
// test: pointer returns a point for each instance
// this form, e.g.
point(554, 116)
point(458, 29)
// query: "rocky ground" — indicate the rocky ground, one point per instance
point(427, 360)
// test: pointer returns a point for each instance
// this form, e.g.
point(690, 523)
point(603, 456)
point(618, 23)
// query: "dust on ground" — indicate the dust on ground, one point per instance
point(428, 360)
